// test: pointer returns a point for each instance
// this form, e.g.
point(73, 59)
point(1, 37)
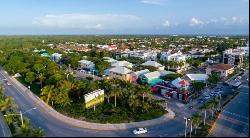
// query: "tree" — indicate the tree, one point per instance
point(30, 77)
point(38, 68)
point(198, 86)
point(48, 94)
point(196, 121)
point(6, 103)
point(213, 78)
point(115, 91)
point(41, 77)
point(143, 89)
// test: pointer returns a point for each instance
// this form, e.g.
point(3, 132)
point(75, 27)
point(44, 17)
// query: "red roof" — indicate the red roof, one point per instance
point(183, 83)
point(221, 66)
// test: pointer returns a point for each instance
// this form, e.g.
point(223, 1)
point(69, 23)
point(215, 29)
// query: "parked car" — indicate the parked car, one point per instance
point(140, 131)
point(190, 107)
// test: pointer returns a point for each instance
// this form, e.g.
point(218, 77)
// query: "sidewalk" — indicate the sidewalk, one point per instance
point(42, 106)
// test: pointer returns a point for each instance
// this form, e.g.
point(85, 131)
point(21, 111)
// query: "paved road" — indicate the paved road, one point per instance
point(56, 128)
point(4, 129)
point(234, 120)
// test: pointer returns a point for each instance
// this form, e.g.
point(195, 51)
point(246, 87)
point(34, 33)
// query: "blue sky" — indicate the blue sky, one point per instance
point(124, 16)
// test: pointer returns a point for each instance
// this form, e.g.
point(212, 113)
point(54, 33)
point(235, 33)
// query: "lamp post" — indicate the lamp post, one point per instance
point(191, 127)
point(205, 117)
point(21, 114)
point(185, 126)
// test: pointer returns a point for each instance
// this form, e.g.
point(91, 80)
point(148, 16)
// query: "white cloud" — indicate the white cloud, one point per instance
point(196, 22)
point(166, 23)
point(153, 2)
point(226, 20)
point(86, 21)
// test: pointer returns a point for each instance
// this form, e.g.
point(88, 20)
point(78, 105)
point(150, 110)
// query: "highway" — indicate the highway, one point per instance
point(234, 120)
point(55, 128)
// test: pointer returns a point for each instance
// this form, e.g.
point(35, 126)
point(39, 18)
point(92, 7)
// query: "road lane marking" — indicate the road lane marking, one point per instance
point(237, 115)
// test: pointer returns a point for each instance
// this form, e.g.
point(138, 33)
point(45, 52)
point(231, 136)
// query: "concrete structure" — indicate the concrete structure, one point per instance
point(233, 57)
point(119, 72)
point(223, 70)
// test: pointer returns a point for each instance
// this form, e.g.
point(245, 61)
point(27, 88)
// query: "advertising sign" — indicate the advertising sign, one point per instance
point(94, 98)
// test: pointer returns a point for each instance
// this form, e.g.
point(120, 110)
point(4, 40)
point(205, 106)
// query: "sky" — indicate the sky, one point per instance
point(124, 17)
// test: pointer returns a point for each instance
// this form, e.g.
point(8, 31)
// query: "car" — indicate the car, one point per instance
point(190, 107)
point(140, 131)
point(9, 83)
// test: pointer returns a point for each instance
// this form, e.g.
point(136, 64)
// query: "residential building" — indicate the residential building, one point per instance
point(122, 64)
point(196, 77)
point(135, 75)
point(109, 59)
point(223, 70)
point(173, 55)
point(121, 73)
point(233, 57)
point(154, 64)
point(245, 50)
point(150, 78)
point(145, 55)
point(85, 64)
point(56, 57)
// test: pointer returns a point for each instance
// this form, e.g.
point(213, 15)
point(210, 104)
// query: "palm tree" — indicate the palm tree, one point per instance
point(115, 91)
point(41, 77)
point(198, 86)
point(196, 121)
point(6, 104)
point(133, 101)
point(143, 89)
point(48, 93)
point(205, 107)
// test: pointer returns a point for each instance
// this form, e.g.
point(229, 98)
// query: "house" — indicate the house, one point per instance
point(154, 64)
point(181, 84)
point(223, 70)
point(109, 60)
point(45, 54)
point(172, 55)
point(145, 55)
point(112, 47)
point(233, 57)
point(122, 64)
point(150, 77)
point(85, 64)
point(121, 73)
point(135, 75)
point(196, 77)
point(56, 57)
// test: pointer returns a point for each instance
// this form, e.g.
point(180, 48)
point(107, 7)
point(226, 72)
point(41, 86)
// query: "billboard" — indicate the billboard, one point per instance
point(94, 98)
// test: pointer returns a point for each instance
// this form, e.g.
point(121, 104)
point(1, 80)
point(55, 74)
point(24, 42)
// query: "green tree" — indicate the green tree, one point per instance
point(7, 103)
point(30, 77)
point(213, 78)
point(48, 94)
point(198, 86)
point(196, 121)
point(115, 91)
point(41, 78)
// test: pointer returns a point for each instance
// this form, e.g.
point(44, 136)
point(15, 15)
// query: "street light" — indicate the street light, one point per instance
point(191, 128)
point(21, 114)
point(186, 119)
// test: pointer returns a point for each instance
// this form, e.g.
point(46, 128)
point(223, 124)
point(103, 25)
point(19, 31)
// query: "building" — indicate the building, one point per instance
point(135, 75)
point(173, 55)
point(145, 55)
point(223, 70)
point(233, 57)
point(196, 77)
point(154, 64)
point(245, 50)
point(150, 78)
point(121, 73)
point(56, 57)
point(122, 64)
point(85, 64)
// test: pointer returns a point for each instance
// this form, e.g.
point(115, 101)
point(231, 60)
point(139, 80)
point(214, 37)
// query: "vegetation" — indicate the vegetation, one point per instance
point(14, 121)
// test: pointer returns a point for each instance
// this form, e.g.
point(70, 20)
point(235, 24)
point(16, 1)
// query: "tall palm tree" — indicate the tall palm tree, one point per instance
point(143, 89)
point(6, 104)
point(115, 91)
point(205, 107)
point(196, 121)
point(133, 101)
point(48, 93)
point(41, 77)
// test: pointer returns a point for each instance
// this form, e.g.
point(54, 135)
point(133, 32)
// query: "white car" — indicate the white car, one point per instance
point(140, 131)
point(9, 83)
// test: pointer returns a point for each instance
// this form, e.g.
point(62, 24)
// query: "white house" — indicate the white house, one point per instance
point(173, 55)
point(85, 64)
point(109, 59)
point(145, 55)
point(119, 72)
point(56, 57)
point(122, 64)
point(154, 64)
point(196, 77)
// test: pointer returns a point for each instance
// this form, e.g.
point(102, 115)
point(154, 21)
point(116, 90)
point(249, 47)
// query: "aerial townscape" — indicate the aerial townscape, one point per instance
point(118, 75)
